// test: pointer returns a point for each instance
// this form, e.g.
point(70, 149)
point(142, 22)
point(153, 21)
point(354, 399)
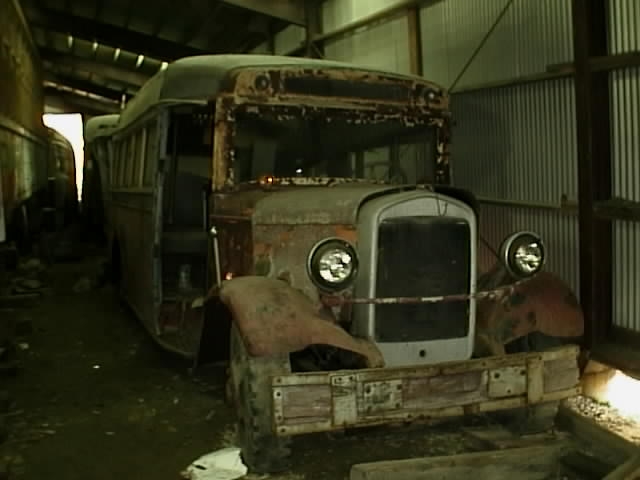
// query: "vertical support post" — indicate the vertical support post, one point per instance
point(313, 28)
point(271, 41)
point(594, 167)
point(415, 41)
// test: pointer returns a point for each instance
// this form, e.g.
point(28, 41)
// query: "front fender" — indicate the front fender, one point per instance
point(543, 304)
point(274, 319)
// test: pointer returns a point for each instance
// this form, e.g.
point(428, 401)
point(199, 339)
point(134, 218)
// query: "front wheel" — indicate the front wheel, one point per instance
point(250, 388)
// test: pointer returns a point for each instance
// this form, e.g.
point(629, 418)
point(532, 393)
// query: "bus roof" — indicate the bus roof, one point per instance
point(199, 78)
point(56, 137)
point(100, 126)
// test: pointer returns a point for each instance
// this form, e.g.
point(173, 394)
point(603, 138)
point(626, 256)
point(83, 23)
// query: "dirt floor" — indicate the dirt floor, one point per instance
point(95, 398)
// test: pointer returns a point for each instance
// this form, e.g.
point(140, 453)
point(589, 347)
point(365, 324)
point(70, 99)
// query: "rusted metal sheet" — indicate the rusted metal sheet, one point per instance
point(274, 319)
point(380, 396)
point(282, 251)
point(544, 304)
point(339, 85)
point(235, 244)
point(308, 206)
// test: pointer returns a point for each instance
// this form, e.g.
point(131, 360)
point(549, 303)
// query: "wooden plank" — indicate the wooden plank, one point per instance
point(499, 437)
point(535, 380)
point(587, 467)
point(312, 402)
point(445, 390)
point(381, 396)
point(630, 470)
point(507, 382)
point(560, 374)
point(529, 463)
point(345, 405)
point(593, 433)
point(449, 368)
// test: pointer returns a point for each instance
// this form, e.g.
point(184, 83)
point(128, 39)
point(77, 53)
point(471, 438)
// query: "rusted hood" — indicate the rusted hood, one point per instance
point(337, 204)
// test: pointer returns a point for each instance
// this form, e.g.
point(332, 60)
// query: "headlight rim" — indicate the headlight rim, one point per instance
point(315, 277)
point(511, 243)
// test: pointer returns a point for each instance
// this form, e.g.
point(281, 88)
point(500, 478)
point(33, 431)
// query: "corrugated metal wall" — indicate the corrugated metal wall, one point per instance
point(511, 145)
point(625, 100)
point(382, 46)
point(516, 146)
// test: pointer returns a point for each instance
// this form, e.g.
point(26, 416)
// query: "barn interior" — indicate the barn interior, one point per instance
point(98, 379)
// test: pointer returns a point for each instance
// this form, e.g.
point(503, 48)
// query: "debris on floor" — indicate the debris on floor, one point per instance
point(608, 417)
point(224, 464)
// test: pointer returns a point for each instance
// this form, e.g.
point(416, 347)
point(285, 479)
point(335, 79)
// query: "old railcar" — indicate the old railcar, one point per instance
point(23, 141)
point(96, 172)
point(310, 199)
point(61, 167)
point(23, 171)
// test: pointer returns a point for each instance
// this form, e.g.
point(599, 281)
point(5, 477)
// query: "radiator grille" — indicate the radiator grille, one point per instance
point(422, 256)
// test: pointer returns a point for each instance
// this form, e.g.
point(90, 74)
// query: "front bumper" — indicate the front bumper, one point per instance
point(328, 401)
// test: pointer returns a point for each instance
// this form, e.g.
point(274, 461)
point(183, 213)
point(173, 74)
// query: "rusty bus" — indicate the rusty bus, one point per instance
point(306, 204)
point(96, 173)
point(61, 169)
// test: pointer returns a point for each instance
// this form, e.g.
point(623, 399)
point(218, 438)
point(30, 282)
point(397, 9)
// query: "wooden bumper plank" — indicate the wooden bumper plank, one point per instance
point(324, 401)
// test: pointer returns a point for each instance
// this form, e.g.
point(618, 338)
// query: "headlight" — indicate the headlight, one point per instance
point(523, 254)
point(332, 264)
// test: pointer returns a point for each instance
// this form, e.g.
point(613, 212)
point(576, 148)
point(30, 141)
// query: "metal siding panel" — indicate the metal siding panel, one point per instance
point(559, 232)
point(337, 13)
point(384, 46)
point(625, 92)
point(289, 39)
point(625, 105)
point(532, 35)
point(517, 143)
point(626, 275)
point(624, 31)
point(262, 49)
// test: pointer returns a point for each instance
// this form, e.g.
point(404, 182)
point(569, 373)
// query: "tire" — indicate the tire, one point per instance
point(540, 417)
point(250, 386)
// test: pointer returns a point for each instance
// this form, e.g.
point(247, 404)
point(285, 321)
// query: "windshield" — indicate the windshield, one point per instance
point(287, 142)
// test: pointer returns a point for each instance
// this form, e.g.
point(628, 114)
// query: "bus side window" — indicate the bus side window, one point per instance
point(151, 154)
point(135, 159)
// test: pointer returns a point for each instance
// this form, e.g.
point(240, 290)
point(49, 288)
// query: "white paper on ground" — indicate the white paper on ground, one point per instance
point(224, 464)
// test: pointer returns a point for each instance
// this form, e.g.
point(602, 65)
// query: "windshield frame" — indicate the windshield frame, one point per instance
point(226, 128)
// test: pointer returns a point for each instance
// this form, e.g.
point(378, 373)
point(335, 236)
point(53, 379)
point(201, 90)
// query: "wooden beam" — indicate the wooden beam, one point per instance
point(601, 63)
point(111, 35)
point(618, 209)
point(82, 85)
point(594, 168)
point(107, 70)
point(383, 15)
point(523, 463)
point(415, 41)
point(313, 29)
point(72, 103)
point(291, 11)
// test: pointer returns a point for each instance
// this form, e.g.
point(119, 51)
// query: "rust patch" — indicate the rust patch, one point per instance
point(544, 304)
point(276, 319)
point(347, 232)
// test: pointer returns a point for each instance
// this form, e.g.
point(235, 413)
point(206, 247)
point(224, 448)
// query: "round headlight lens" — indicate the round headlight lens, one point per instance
point(335, 266)
point(528, 258)
point(523, 254)
point(332, 264)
